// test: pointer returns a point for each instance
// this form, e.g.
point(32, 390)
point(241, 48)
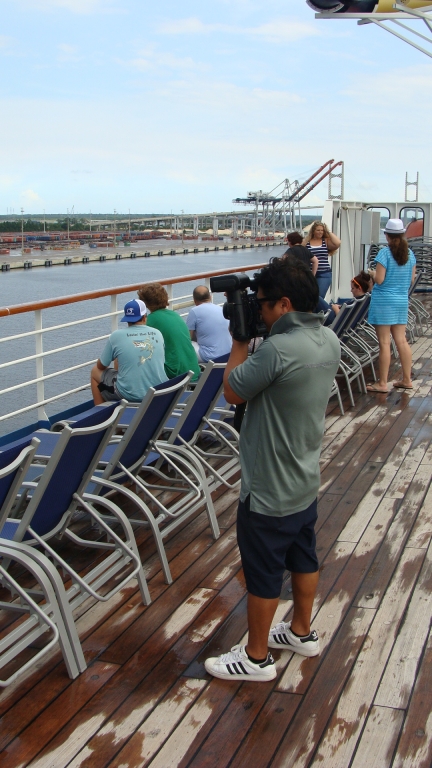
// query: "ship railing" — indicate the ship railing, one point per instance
point(33, 390)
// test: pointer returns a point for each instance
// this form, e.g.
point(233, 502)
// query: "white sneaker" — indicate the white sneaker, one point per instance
point(282, 637)
point(236, 665)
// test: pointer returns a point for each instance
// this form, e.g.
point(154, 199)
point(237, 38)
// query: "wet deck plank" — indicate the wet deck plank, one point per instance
point(146, 699)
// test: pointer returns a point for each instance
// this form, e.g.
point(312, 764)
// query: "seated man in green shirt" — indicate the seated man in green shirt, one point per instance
point(180, 355)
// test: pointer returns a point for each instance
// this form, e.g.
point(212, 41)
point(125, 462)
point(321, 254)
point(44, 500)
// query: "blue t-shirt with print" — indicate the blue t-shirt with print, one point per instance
point(140, 354)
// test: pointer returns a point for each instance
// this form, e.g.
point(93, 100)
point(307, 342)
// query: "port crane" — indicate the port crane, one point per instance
point(280, 208)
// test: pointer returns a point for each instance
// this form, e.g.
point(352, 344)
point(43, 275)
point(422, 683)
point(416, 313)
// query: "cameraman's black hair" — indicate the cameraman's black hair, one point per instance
point(290, 278)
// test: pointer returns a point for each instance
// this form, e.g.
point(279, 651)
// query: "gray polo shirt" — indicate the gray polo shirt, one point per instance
point(287, 384)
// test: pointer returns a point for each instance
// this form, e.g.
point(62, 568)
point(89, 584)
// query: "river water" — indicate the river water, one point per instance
point(19, 286)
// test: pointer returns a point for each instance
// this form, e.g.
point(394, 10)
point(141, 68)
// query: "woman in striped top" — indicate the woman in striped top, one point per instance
point(322, 244)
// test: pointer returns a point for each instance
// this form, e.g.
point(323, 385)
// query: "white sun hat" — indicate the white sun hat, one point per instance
point(394, 227)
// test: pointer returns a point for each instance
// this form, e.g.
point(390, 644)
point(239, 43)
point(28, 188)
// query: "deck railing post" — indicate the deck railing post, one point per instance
point(40, 386)
point(169, 290)
point(114, 321)
point(207, 283)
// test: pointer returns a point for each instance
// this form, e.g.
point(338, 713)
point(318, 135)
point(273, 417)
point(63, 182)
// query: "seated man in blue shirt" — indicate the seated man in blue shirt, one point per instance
point(138, 355)
point(208, 327)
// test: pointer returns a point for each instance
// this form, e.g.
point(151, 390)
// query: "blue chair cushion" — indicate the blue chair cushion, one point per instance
point(48, 441)
point(9, 529)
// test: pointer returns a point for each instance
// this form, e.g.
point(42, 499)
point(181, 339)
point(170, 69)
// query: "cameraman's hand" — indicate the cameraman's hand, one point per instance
point(240, 341)
point(239, 353)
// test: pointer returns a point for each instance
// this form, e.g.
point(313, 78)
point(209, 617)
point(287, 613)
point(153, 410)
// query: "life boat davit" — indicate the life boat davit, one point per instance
point(363, 6)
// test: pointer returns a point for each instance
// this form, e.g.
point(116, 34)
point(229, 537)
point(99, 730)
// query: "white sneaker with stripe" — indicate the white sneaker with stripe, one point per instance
point(283, 638)
point(236, 665)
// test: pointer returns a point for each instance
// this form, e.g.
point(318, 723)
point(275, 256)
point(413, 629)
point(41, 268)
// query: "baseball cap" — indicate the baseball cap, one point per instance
point(134, 311)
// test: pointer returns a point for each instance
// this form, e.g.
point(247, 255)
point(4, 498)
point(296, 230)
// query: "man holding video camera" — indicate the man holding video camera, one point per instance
point(286, 384)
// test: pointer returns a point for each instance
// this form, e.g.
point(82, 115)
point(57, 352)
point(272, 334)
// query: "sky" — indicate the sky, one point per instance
point(157, 107)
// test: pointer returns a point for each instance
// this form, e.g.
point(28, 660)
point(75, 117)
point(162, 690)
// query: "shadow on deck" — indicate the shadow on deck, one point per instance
point(365, 701)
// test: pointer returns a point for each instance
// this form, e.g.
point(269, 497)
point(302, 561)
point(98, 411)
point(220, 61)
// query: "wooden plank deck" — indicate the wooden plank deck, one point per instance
point(145, 699)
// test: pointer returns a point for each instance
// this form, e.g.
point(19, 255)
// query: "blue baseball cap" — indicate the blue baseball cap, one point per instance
point(134, 311)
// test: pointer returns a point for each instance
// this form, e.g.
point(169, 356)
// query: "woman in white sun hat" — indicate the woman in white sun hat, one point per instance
point(394, 273)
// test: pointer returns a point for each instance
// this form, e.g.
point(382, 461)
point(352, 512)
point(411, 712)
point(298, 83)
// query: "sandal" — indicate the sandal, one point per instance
point(401, 385)
point(374, 388)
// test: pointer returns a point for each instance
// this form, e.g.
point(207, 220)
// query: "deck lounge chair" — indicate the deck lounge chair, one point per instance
point(203, 430)
point(46, 507)
point(364, 346)
point(169, 478)
point(421, 314)
point(54, 614)
point(350, 368)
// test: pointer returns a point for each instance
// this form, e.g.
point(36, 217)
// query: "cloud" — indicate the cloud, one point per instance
point(82, 7)
point(5, 42)
point(191, 26)
point(7, 180)
point(198, 142)
point(30, 196)
point(280, 30)
point(404, 87)
point(68, 53)
point(152, 61)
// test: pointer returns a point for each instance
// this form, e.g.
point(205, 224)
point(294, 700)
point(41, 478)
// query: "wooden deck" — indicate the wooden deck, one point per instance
point(145, 699)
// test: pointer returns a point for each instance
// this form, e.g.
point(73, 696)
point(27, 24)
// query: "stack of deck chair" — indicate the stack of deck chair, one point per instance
point(350, 367)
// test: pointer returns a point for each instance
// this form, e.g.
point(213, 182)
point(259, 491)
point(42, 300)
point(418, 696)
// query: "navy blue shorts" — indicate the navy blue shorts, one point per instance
point(270, 545)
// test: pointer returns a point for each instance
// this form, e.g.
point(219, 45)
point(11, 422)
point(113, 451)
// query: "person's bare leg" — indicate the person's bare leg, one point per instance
point(304, 587)
point(383, 333)
point(95, 379)
point(399, 334)
point(260, 617)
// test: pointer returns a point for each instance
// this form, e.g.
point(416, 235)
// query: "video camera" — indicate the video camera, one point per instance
point(241, 308)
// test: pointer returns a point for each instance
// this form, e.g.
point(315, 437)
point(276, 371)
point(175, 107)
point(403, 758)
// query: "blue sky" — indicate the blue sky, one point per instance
point(127, 104)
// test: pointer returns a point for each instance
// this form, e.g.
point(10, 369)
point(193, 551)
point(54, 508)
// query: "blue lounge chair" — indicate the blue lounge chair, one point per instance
point(204, 431)
point(54, 614)
point(14, 465)
point(170, 480)
point(47, 506)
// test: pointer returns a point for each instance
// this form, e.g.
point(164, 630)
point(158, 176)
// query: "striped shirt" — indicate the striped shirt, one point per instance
point(321, 252)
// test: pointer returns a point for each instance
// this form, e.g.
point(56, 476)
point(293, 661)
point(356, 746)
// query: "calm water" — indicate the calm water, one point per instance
point(17, 287)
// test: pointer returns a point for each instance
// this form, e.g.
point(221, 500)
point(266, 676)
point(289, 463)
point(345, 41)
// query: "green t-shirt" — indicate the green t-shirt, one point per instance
point(180, 355)
point(287, 384)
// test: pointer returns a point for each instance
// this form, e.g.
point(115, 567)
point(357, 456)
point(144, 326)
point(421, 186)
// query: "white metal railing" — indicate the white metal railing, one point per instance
point(39, 355)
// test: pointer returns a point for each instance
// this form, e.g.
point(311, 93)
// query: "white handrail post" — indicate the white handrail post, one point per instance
point(207, 283)
point(114, 322)
point(169, 290)
point(40, 386)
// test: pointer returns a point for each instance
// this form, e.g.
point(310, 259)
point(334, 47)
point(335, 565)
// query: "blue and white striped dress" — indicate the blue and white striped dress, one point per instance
point(322, 254)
